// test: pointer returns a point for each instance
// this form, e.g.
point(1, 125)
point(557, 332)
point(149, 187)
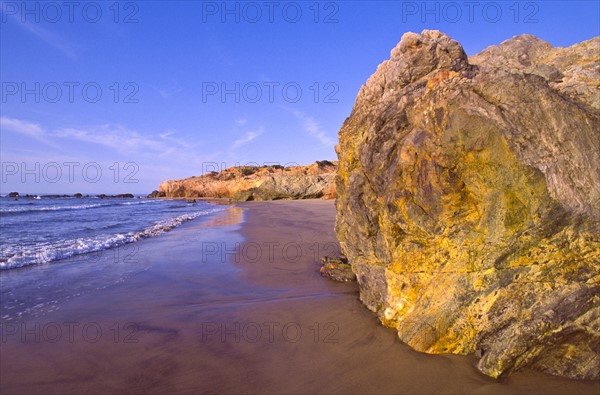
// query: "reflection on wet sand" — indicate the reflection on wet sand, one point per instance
point(230, 217)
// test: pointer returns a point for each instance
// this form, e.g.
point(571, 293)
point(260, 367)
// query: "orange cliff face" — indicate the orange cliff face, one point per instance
point(257, 183)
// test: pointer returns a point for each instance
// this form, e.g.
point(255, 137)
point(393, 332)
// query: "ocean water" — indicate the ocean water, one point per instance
point(46, 230)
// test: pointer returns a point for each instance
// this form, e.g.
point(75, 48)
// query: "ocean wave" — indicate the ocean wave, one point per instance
point(12, 257)
point(21, 209)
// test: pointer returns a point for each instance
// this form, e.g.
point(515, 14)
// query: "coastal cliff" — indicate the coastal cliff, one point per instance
point(469, 201)
point(244, 183)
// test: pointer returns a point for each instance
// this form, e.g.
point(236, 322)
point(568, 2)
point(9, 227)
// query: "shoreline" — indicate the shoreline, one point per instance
point(232, 304)
point(82, 245)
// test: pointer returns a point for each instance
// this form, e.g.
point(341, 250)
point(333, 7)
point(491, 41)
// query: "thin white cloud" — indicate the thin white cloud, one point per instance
point(241, 121)
point(168, 93)
point(312, 127)
point(169, 136)
point(116, 138)
point(159, 156)
point(46, 36)
point(16, 125)
point(247, 138)
point(29, 129)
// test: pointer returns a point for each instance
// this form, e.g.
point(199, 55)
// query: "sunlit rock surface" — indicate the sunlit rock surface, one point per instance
point(468, 201)
point(257, 183)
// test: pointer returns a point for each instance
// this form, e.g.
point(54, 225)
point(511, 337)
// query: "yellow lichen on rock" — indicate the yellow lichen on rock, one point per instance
point(466, 202)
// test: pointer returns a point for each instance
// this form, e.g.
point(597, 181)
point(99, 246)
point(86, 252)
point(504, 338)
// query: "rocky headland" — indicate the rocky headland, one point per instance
point(246, 183)
point(469, 201)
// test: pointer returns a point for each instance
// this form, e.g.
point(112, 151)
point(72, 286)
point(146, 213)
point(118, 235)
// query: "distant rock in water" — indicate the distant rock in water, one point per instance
point(245, 183)
point(13, 194)
point(156, 194)
point(119, 196)
point(469, 201)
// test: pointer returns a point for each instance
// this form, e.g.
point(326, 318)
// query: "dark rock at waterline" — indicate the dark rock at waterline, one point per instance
point(337, 269)
point(119, 196)
point(156, 194)
point(13, 194)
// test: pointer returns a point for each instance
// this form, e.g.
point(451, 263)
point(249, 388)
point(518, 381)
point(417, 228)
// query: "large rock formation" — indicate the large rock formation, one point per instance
point(298, 186)
point(257, 183)
point(468, 201)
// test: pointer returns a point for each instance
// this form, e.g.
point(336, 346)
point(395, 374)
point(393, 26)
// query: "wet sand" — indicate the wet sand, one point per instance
point(225, 306)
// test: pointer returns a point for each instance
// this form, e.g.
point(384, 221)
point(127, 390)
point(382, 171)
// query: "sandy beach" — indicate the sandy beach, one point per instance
point(234, 304)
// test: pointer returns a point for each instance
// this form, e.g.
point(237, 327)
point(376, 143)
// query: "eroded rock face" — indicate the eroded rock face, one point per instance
point(257, 183)
point(299, 186)
point(469, 201)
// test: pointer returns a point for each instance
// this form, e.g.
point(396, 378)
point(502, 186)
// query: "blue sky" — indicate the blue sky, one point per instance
point(108, 97)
